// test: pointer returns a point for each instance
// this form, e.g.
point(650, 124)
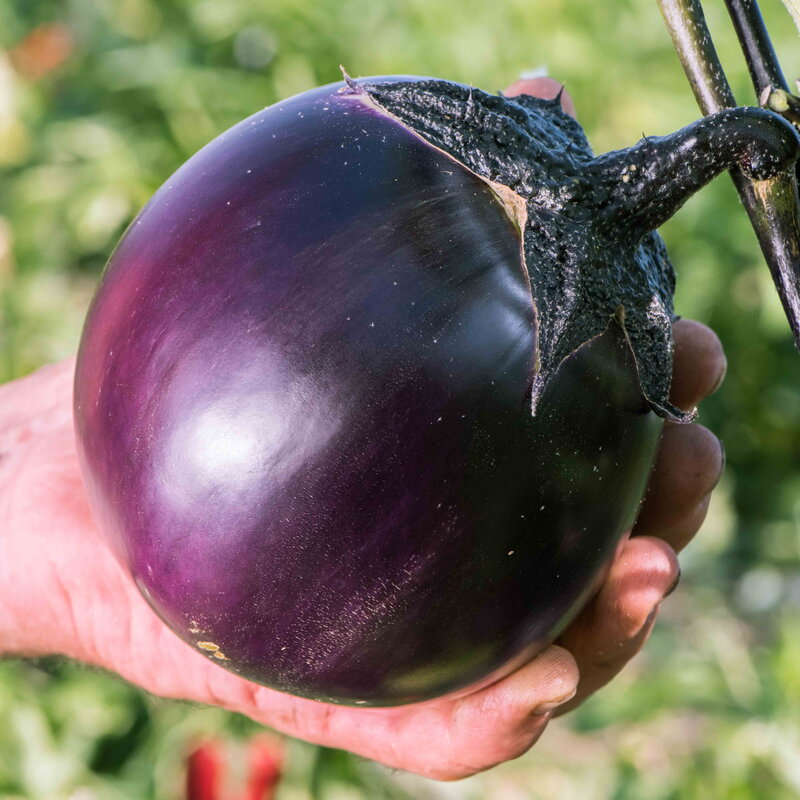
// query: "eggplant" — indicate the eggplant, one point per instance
point(369, 392)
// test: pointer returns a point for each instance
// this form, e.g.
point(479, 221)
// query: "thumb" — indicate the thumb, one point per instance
point(546, 88)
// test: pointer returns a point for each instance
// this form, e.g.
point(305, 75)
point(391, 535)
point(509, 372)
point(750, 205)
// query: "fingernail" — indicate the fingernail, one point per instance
point(537, 72)
point(721, 377)
point(651, 616)
point(552, 705)
point(722, 459)
point(671, 588)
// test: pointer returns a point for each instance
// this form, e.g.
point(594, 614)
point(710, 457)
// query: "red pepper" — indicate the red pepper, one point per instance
point(205, 769)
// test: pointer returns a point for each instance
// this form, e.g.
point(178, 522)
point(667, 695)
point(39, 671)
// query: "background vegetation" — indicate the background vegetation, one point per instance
point(100, 100)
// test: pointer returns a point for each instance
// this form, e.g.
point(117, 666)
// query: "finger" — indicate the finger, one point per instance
point(617, 622)
point(444, 739)
point(688, 467)
point(699, 364)
point(505, 720)
point(546, 88)
point(451, 739)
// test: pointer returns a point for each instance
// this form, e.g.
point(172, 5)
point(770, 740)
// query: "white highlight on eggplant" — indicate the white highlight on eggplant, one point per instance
point(230, 442)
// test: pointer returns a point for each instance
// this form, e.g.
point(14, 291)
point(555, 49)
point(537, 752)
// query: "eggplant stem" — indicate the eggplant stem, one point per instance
point(634, 180)
point(772, 205)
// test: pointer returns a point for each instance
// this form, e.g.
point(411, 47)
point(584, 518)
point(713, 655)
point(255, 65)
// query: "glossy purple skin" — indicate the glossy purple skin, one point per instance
point(302, 412)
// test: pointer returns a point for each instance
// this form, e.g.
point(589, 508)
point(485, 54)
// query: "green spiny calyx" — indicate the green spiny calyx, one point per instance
point(589, 241)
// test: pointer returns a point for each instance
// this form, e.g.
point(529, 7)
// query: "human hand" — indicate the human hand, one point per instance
point(62, 592)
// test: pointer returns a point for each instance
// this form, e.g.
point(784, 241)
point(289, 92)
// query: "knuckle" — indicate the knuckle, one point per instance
point(511, 747)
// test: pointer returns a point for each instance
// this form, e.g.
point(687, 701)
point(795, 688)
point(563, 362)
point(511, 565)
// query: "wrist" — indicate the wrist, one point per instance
point(35, 605)
point(31, 610)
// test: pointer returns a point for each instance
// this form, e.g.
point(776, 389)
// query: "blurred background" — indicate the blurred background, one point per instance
point(100, 100)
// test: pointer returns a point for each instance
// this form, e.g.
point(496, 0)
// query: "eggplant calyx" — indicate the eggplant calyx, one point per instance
point(582, 278)
point(589, 243)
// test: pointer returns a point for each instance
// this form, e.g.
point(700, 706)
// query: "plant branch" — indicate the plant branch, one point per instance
point(772, 205)
point(768, 80)
point(758, 50)
point(687, 27)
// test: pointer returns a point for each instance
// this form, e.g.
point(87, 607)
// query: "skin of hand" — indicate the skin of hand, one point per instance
point(62, 592)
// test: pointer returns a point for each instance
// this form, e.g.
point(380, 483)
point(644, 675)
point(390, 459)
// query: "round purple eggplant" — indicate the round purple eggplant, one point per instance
point(369, 392)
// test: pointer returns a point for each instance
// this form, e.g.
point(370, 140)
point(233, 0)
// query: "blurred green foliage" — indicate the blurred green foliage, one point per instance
point(100, 100)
